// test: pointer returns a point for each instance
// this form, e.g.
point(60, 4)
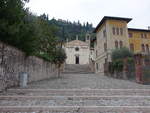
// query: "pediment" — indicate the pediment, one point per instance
point(77, 43)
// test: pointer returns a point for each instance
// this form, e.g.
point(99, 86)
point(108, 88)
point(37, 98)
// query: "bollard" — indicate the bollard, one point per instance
point(23, 79)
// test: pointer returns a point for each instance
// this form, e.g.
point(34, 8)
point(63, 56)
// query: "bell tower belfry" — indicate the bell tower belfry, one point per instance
point(87, 38)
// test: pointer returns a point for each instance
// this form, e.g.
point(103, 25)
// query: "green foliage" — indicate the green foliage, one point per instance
point(69, 30)
point(28, 41)
point(44, 56)
point(32, 34)
point(16, 29)
point(118, 55)
point(12, 13)
point(130, 60)
point(116, 65)
point(59, 56)
point(121, 53)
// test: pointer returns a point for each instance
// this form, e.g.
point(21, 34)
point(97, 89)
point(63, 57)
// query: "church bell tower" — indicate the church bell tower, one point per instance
point(87, 38)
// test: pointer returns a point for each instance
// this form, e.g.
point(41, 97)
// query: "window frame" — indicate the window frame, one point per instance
point(117, 29)
point(121, 31)
point(104, 33)
point(142, 35)
point(143, 47)
point(132, 47)
point(114, 30)
point(116, 44)
point(145, 35)
point(121, 44)
point(130, 35)
point(147, 48)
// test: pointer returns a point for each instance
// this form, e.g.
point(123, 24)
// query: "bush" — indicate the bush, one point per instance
point(118, 65)
point(59, 57)
point(118, 55)
point(121, 53)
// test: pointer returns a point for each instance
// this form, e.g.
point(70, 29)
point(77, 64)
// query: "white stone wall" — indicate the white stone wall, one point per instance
point(83, 54)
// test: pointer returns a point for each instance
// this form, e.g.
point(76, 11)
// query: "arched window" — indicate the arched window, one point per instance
point(121, 44)
point(116, 44)
point(147, 48)
point(132, 47)
point(143, 48)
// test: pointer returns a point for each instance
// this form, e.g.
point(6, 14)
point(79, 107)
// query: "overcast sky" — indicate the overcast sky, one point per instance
point(94, 10)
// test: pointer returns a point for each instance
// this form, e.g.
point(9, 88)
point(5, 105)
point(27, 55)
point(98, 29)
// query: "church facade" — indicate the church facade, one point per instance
point(77, 51)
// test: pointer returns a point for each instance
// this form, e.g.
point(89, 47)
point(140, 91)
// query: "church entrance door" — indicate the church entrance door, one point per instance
point(77, 60)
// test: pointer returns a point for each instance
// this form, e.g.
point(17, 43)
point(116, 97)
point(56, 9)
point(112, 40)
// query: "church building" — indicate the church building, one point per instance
point(77, 51)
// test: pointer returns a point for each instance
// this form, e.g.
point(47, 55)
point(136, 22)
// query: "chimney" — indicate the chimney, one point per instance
point(148, 27)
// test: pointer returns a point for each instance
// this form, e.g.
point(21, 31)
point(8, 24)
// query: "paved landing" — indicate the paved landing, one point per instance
point(87, 81)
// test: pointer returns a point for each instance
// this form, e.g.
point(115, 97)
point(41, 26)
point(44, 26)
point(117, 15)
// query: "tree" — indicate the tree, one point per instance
point(59, 58)
point(118, 56)
point(12, 14)
point(15, 27)
point(47, 36)
point(121, 53)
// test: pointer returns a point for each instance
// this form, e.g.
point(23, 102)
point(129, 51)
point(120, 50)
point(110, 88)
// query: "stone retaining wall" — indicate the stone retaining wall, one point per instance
point(13, 61)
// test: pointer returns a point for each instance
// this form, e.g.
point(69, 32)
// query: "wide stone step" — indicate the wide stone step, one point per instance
point(75, 109)
point(78, 92)
point(74, 72)
point(75, 101)
point(77, 69)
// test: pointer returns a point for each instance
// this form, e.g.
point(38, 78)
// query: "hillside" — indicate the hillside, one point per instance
point(67, 29)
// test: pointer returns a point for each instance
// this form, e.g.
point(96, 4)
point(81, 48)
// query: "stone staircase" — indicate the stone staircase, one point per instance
point(75, 101)
point(77, 69)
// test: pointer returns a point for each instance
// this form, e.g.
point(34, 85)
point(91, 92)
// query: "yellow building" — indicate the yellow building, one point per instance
point(112, 33)
point(139, 40)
